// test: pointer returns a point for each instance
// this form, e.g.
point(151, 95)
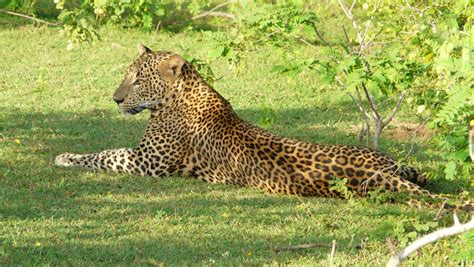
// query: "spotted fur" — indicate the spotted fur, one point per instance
point(193, 131)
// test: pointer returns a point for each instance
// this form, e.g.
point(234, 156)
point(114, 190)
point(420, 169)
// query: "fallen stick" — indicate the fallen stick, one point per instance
point(333, 252)
point(302, 246)
point(456, 229)
point(31, 18)
point(214, 14)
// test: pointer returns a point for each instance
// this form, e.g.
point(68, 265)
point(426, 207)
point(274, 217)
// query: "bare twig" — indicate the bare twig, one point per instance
point(333, 251)
point(375, 112)
point(360, 37)
point(352, 6)
point(348, 41)
point(391, 246)
point(299, 38)
point(440, 211)
point(365, 115)
point(158, 25)
point(349, 15)
point(471, 140)
point(320, 36)
point(301, 246)
point(223, 4)
point(456, 229)
point(266, 36)
point(395, 109)
point(375, 117)
point(213, 13)
point(361, 107)
point(367, 26)
point(345, 10)
point(31, 18)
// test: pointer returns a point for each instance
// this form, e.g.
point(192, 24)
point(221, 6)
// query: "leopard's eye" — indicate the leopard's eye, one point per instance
point(138, 81)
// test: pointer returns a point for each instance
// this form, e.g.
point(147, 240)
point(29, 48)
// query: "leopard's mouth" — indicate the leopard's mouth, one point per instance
point(140, 107)
point(133, 111)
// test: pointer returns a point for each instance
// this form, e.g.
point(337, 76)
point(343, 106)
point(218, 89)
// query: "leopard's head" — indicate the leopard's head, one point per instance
point(148, 81)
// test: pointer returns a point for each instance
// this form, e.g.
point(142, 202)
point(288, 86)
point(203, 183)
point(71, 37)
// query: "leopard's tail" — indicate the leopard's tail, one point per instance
point(413, 175)
point(436, 199)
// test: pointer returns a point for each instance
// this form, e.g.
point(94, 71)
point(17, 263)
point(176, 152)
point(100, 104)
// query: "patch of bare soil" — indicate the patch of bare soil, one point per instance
point(401, 131)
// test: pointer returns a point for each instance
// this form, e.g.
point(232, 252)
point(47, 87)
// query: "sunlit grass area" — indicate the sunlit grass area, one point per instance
point(55, 100)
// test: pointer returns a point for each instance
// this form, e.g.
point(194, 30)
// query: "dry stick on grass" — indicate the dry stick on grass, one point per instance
point(333, 251)
point(440, 211)
point(158, 25)
point(31, 18)
point(301, 246)
point(456, 229)
point(214, 13)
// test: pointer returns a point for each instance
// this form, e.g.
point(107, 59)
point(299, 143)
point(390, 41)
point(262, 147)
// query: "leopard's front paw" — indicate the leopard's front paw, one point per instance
point(65, 160)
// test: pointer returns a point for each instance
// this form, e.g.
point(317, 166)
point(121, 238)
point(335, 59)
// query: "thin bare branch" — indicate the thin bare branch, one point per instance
point(214, 14)
point(395, 109)
point(471, 140)
point(223, 4)
point(349, 15)
point(157, 28)
point(440, 211)
point(365, 115)
point(391, 246)
point(456, 229)
point(352, 6)
point(31, 18)
point(333, 252)
point(320, 36)
point(360, 106)
point(338, 80)
point(373, 107)
point(368, 117)
point(302, 246)
point(364, 36)
point(348, 41)
point(345, 10)
point(301, 39)
point(266, 36)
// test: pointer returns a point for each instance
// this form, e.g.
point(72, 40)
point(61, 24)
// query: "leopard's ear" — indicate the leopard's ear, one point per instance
point(172, 68)
point(143, 49)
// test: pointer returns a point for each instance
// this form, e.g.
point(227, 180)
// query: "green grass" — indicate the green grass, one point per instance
point(56, 100)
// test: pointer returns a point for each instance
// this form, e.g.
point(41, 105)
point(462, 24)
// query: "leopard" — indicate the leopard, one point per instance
point(194, 132)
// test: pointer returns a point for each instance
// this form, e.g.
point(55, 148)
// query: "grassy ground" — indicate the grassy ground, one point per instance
point(56, 100)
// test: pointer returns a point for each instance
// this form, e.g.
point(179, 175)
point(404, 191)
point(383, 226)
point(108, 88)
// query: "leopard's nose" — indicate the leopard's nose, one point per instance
point(117, 100)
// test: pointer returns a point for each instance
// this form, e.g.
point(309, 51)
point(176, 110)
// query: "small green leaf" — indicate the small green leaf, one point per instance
point(450, 170)
point(279, 69)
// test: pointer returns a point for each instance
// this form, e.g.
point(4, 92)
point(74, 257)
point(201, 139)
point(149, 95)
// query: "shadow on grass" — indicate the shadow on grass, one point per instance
point(35, 190)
